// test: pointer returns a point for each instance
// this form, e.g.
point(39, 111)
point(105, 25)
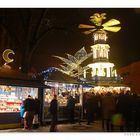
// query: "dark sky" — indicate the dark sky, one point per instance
point(124, 45)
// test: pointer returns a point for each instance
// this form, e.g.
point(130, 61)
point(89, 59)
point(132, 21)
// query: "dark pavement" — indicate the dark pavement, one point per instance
point(83, 127)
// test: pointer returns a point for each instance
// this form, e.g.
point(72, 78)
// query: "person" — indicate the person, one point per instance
point(22, 111)
point(108, 110)
point(95, 104)
point(71, 108)
point(89, 110)
point(53, 112)
point(36, 113)
point(124, 107)
point(29, 112)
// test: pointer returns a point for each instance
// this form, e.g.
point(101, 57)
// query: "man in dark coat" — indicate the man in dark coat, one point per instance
point(108, 110)
point(37, 113)
point(37, 106)
point(88, 106)
point(124, 107)
point(29, 112)
point(70, 108)
point(53, 111)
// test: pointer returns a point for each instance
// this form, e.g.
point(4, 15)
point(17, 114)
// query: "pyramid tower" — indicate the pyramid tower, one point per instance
point(101, 67)
point(102, 71)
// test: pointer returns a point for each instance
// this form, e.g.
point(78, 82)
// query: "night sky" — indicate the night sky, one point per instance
point(68, 38)
point(124, 45)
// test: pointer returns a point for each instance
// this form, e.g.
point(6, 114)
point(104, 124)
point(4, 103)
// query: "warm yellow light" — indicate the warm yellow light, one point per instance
point(100, 35)
point(85, 26)
point(100, 50)
point(64, 85)
point(111, 22)
point(104, 90)
point(101, 69)
point(71, 84)
point(97, 19)
point(99, 46)
point(101, 65)
point(5, 55)
point(112, 29)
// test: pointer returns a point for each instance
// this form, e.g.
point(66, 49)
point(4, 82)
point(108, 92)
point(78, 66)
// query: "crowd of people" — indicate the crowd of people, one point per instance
point(114, 110)
point(30, 112)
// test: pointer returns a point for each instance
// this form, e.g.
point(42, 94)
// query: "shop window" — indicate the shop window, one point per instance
point(11, 97)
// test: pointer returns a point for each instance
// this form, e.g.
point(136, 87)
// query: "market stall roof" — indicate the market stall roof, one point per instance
point(61, 78)
point(16, 78)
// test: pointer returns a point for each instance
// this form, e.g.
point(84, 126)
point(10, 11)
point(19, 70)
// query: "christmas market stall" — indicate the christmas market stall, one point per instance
point(62, 85)
point(14, 88)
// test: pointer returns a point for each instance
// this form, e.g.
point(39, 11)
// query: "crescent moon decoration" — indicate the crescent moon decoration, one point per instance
point(5, 55)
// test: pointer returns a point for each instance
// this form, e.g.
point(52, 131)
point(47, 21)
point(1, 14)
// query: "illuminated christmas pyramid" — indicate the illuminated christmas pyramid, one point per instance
point(101, 69)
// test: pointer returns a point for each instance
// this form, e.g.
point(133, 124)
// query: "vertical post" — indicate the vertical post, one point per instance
point(111, 72)
point(84, 73)
point(41, 98)
point(78, 73)
point(107, 54)
point(108, 72)
point(81, 103)
point(93, 73)
point(115, 73)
